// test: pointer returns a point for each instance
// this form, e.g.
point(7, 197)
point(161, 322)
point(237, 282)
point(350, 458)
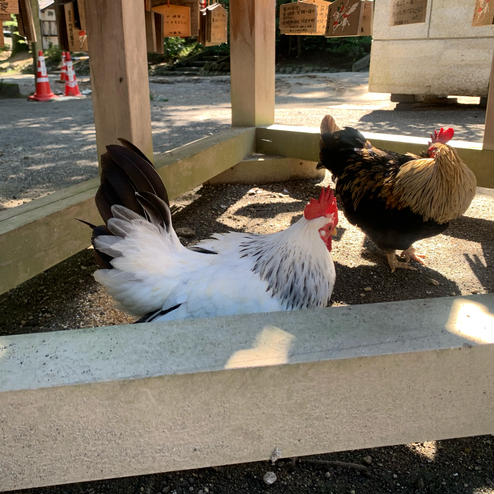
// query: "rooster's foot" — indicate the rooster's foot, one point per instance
point(410, 253)
point(394, 263)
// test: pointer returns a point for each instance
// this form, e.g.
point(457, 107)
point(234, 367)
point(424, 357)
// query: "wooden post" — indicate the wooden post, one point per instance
point(119, 73)
point(489, 114)
point(252, 60)
point(37, 42)
point(2, 41)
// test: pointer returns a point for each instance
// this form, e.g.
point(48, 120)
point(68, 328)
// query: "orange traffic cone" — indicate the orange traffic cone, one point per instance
point(43, 89)
point(71, 86)
point(63, 72)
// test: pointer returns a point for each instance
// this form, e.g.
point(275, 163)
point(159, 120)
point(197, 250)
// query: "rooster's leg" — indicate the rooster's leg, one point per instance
point(394, 263)
point(410, 253)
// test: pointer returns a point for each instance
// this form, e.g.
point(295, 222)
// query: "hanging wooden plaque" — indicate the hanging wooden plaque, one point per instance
point(9, 7)
point(350, 18)
point(483, 14)
point(76, 32)
point(216, 25)
point(322, 16)
point(298, 18)
point(213, 24)
point(408, 12)
point(176, 20)
point(194, 14)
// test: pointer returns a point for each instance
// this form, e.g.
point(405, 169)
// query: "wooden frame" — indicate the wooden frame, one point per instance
point(40, 234)
point(128, 400)
point(44, 232)
point(94, 413)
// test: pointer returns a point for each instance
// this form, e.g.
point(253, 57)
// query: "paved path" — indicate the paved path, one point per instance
point(48, 146)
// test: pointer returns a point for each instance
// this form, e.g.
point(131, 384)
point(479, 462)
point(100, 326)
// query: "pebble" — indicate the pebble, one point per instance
point(327, 475)
point(275, 455)
point(434, 282)
point(367, 460)
point(185, 232)
point(269, 478)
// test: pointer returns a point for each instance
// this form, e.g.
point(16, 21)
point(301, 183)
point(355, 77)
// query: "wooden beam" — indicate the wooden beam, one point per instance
point(303, 143)
point(110, 402)
point(150, 32)
point(119, 73)
point(489, 114)
point(252, 61)
point(42, 233)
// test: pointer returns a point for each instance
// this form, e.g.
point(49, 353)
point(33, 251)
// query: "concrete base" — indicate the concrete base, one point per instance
point(445, 55)
point(127, 400)
point(262, 169)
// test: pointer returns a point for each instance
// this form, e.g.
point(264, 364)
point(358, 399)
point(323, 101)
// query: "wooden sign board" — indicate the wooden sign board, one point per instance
point(408, 12)
point(176, 20)
point(76, 28)
point(216, 25)
point(213, 25)
point(298, 18)
point(350, 18)
point(9, 7)
point(194, 11)
point(322, 10)
point(483, 14)
point(194, 14)
point(4, 17)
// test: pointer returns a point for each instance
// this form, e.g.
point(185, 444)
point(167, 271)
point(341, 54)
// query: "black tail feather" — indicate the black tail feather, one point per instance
point(103, 260)
point(156, 209)
point(129, 179)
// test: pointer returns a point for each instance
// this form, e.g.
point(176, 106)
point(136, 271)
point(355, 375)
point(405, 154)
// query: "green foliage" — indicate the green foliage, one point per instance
point(53, 57)
point(19, 44)
point(176, 48)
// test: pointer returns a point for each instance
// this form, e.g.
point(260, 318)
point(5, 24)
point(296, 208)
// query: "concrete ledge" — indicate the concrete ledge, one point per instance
point(303, 143)
point(42, 233)
point(127, 400)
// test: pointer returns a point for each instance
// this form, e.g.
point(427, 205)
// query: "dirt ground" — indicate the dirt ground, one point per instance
point(460, 261)
point(46, 147)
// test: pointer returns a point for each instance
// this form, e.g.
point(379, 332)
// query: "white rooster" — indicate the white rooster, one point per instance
point(152, 275)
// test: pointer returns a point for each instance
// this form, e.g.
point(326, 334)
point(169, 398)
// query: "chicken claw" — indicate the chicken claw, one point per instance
point(410, 253)
point(394, 263)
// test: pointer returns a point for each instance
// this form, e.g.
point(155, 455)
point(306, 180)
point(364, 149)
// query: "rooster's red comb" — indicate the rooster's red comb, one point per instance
point(326, 204)
point(442, 136)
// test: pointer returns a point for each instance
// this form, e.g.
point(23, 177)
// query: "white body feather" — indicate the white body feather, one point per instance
point(153, 271)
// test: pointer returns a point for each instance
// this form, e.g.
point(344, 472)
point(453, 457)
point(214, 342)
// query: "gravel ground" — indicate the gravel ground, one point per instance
point(47, 147)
